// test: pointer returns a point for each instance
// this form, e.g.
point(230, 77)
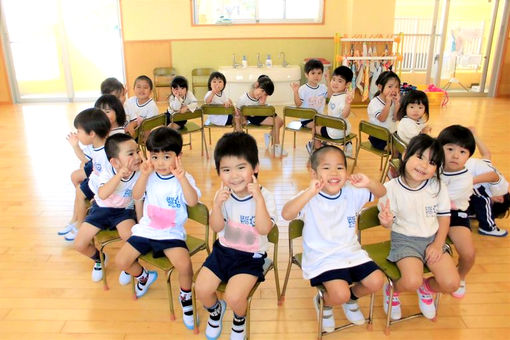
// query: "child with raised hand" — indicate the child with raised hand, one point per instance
point(383, 108)
point(114, 86)
point(113, 203)
point(216, 95)
point(181, 100)
point(243, 213)
point(167, 189)
point(257, 95)
point(412, 115)
point(141, 106)
point(114, 110)
point(332, 255)
point(417, 210)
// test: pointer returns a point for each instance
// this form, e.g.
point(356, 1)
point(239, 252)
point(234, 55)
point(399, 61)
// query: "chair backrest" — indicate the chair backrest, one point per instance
point(217, 109)
point(202, 72)
point(258, 110)
point(163, 76)
point(375, 131)
point(200, 214)
point(298, 112)
point(147, 125)
point(331, 122)
point(398, 144)
point(368, 218)
point(177, 117)
point(296, 229)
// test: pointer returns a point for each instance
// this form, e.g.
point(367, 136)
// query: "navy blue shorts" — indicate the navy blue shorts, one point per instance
point(459, 218)
point(108, 218)
point(88, 168)
point(226, 262)
point(230, 119)
point(306, 121)
point(84, 186)
point(350, 275)
point(324, 132)
point(377, 143)
point(145, 245)
point(255, 120)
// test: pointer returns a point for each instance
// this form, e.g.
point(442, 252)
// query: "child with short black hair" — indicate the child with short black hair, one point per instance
point(167, 190)
point(114, 86)
point(114, 110)
point(140, 106)
point(412, 115)
point(181, 100)
point(216, 95)
point(332, 254)
point(243, 213)
point(113, 203)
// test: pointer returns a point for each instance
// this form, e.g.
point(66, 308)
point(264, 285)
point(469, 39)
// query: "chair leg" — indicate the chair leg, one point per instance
point(190, 145)
point(283, 134)
point(294, 140)
point(277, 281)
point(248, 318)
point(370, 323)
point(356, 157)
point(284, 288)
point(204, 145)
point(101, 258)
point(170, 295)
point(390, 305)
point(195, 311)
point(133, 283)
point(385, 169)
point(321, 312)
point(210, 142)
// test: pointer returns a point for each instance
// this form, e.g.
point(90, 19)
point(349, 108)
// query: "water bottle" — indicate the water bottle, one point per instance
point(269, 62)
point(244, 62)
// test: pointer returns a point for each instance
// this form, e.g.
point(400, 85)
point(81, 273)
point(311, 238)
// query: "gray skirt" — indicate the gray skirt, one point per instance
point(408, 246)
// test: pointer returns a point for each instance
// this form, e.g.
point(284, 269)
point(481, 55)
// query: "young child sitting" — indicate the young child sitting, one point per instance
point(417, 208)
point(115, 87)
point(140, 106)
point(332, 255)
point(114, 110)
point(216, 95)
point(181, 100)
point(257, 95)
point(242, 214)
point(113, 204)
point(412, 115)
point(167, 189)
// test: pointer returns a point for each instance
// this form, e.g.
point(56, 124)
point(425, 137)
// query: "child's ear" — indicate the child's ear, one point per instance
point(256, 169)
point(115, 162)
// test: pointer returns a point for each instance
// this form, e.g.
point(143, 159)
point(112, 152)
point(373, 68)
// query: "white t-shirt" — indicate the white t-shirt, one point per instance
point(329, 234)
point(313, 97)
point(479, 166)
point(122, 197)
point(416, 210)
point(409, 128)
point(116, 130)
point(246, 100)
point(460, 187)
point(218, 100)
point(87, 150)
point(375, 108)
point(164, 208)
point(99, 163)
point(335, 109)
point(143, 111)
point(175, 104)
point(239, 215)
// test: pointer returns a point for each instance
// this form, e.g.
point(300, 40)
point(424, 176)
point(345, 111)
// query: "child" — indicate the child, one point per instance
point(383, 108)
point(412, 115)
point(243, 214)
point(180, 101)
point(332, 254)
point(257, 95)
point(140, 106)
point(216, 84)
point(459, 144)
point(114, 110)
point(168, 190)
point(417, 209)
point(339, 106)
point(113, 203)
point(115, 87)
point(490, 198)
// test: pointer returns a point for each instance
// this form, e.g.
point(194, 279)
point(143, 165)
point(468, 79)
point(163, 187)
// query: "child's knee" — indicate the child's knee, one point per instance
point(81, 245)
point(449, 284)
point(338, 296)
point(235, 299)
point(122, 263)
point(411, 283)
point(375, 282)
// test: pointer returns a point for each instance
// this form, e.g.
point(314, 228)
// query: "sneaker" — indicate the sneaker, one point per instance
point(213, 329)
point(140, 288)
point(279, 152)
point(187, 310)
point(353, 313)
point(328, 319)
point(267, 139)
point(461, 291)
point(426, 302)
point(124, 278)
point(67, 229)
point(238, 331)
point(71, 235)
point(309, 147)
point(494, 232)
point(396, 311)
point(97, 270)
point(348, 149)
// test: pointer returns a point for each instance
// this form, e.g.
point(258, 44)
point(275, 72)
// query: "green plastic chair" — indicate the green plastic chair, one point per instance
point(191, 127)
point(296, 231)
point(199, 213)
point(199, 79)
point(261, 111)
point(335, 123)
point(217, 110)
point(295, 125)
point(163, 76)
point(102, 239)
point(398, 146)
point(146, 127)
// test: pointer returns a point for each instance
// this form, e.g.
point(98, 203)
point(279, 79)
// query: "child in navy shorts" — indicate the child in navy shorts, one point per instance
point(243, 213)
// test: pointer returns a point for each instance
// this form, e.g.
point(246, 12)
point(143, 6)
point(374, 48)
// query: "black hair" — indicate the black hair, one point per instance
point(111, 85)
point(179, 81)
point(164, 139)
point(316, 155)
point(112, 102)
point(266, 84)
point(413, 97)
point(236, 144)
point(218, 75)
point(111, 146)
point(384, 78)
point(458, 135)
point(144, 78)
point(313, 64)
point(93, 119)
point(417, 146)
point(343, 72)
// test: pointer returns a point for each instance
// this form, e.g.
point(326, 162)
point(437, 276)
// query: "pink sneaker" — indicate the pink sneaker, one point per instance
point(461, 291)
point(426, 302)
point(396, 311)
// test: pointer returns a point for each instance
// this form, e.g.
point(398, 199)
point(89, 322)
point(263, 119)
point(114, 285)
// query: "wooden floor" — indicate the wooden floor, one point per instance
point(46, 291)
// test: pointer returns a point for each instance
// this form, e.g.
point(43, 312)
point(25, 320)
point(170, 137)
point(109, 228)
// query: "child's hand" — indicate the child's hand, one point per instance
point(175, 93)
point(427, 129)
point(125, 171)
point(146, 167)
point(294, 86)
point(498, 199)
point(316, 185)
point(178, 171)
point(359, 180)
point(385, 215)
point(349, 97)
point(472, 129)
point(221, 195)
point(229, 103)
point(254, 188)
point(183, 109)
point(262, 99)
point(326, 77)
point(72, 138)
point(396, 98)
point(433, 252)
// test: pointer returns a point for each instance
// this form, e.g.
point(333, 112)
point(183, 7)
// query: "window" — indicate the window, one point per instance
point(221, 12)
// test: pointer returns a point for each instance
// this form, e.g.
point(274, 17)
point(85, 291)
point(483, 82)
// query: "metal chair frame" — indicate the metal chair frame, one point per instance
point(335, 123)
point(191, 127)
point(218, 110)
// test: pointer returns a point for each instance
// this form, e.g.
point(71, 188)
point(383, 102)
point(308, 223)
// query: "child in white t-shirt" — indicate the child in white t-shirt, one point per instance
point(216, 95)
point(141, 106)
point(180, 101)
point(332, 255)
point(412, 115)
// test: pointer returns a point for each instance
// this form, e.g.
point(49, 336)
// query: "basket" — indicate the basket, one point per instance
point(435, 98)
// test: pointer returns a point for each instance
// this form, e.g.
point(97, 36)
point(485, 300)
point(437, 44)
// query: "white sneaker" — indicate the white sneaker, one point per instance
point(238, 335)
point(141, 289)
point(97, 270)
point(309, 147)
point(71, 235)
point(213, 329)
point(279, 152)
point(426, 302)
point(124, 278)
point(348, 149)
point(328, 319)
point(353, 313)
point(67, 229)
point(494, 232)
point(396, 311)
point(461, 291)
point(267, 139)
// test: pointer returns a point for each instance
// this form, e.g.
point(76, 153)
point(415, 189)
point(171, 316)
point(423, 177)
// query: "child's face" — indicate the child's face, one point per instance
point(314, 76)
point(259, 93)
point(338, 84)
point(236, 173)
point(419, 168)
point(179, 91)
point(110, 113)
point(128, 156)
point(163, 162)
point(415, 111)
point(217, 85)
point(332, 171)
point(391, 88)
point(142, 90)
point(84, 137)
point(455, 157)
